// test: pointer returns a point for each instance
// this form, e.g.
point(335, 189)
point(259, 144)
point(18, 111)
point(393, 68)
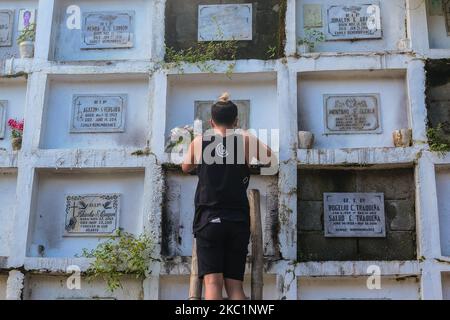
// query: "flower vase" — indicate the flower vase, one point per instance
point(26, 49)
point(16, 143)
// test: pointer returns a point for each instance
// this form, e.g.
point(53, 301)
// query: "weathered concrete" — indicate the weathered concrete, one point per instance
point(398, 188)
point(438, 96)
point(182, 21)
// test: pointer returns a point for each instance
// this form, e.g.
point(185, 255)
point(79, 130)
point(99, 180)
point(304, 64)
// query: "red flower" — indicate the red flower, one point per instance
point(16, 125)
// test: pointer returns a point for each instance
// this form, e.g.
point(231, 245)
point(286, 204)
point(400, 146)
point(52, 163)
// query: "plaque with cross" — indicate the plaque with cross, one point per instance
point(92, 214)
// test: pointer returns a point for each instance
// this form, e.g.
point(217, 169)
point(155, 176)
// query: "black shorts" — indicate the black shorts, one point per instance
point(222, 248)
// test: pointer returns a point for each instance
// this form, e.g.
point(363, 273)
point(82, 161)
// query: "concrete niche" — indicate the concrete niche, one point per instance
point(355, 288)
point(443, 189)
point(48, 287)
point(399, 211)
point(11, 17)
point(438, 96)
point(256, 25)
point(256, 92)
point(101, 112)
point(438, 21)
point(445, 285)
point(8, 181)
point(12, 104)
point(50, 234)
point(3, 280)
point(382, 93)
point(132, 18)
point(318, 15)
point(177, 287)
point(179, 212)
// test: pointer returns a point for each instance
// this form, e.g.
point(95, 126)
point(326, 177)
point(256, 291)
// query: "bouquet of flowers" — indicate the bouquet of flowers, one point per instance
point(16, 133)
point(180, 136)
point(178, 142)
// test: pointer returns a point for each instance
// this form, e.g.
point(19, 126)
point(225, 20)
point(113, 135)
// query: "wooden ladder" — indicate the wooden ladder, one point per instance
point(257, 257)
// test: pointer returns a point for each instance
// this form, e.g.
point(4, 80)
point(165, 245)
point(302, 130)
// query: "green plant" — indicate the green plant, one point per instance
point(272, 52)
point(122, 254)
point(311, 38)
point(27, 34)
point(437, 140)
point(202, 55)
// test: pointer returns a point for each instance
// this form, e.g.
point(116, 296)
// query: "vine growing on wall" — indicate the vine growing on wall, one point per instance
point(122, 254)
point(438, 74)
point(202, 56)
point(437, 140)
point(282, 29)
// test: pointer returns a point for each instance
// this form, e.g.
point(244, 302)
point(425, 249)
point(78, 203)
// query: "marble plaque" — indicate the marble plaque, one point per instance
point(447, 16)
point(435, 7)
point(3, 106)
point(352, 114)
point(349, 22)
point(203, 114)
point(107, 30)
point(98, 113)
point(354, 215)
point(26, 18)
point(312, 15)
point(224, 22)
point(92, 214)
point(6, 27)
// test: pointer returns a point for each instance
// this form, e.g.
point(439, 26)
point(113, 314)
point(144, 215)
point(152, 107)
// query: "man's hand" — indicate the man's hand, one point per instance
point(193, 156)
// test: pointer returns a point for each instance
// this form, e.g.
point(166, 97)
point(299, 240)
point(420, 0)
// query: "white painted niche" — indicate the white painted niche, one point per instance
point(355, 288)
point(259, 88)
point(443, 189)
point(179, 212)
point(61, 108)
point(134, 15)
point(8, 199)
point(12, 105)
point(10, 49)
point(177, 287)
point(313, 15)
point(393, 105)
point(438, 30)
point(46, 237)
point(49, 287)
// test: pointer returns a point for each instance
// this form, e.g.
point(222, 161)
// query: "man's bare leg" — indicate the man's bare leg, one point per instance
point(235, 290)
point(213, 286)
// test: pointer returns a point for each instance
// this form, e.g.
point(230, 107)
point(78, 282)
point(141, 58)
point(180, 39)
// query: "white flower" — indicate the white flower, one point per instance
point(180, 136)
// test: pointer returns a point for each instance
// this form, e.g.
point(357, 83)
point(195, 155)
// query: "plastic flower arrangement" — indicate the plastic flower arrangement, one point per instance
point(180, 136)
point(16, 133)
point(16, 128)
point(179, 140)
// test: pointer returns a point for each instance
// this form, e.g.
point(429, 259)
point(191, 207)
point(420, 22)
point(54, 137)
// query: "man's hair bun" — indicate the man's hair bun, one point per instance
point(225, 97)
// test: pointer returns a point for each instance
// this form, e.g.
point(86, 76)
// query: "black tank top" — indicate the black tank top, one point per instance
point(223, 181)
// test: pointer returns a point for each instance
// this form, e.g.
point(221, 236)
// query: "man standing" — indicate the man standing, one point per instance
point(221, 225)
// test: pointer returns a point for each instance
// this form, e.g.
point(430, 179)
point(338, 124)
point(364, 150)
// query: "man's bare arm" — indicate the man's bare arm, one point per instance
point(192, 157)
point(256, 149)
